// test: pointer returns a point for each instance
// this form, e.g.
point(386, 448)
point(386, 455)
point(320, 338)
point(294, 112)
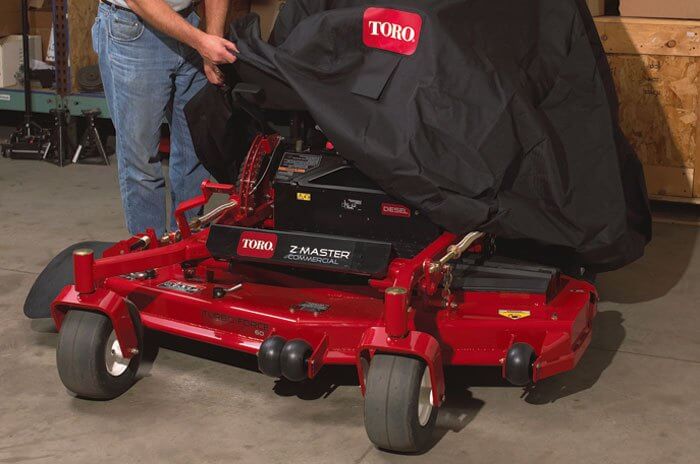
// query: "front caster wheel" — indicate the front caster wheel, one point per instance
point(89, 358)
point(399, 414)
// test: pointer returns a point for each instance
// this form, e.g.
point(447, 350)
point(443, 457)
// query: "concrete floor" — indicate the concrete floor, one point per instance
point(633, 398)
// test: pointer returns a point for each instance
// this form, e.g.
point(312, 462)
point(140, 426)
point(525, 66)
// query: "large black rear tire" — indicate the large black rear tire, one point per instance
point(397, 417)
point(89, 363)
point(55, 276)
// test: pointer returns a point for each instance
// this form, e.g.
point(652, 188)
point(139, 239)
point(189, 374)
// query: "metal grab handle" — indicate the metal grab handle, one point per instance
point(213, 214)
point(455, 251)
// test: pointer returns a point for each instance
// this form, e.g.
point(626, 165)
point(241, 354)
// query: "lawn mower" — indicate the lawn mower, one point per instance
point(308, 263)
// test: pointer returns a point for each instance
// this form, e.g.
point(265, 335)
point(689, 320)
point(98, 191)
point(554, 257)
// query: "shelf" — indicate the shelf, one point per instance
point(44, 100)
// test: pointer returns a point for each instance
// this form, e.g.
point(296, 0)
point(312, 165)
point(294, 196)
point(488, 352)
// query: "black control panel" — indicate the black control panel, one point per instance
point(320, 192)
point(300, 250)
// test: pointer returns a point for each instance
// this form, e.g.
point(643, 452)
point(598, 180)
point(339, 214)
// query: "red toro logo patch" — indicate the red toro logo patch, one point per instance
point(391, 209)
point(257, 245)
point(391, 30)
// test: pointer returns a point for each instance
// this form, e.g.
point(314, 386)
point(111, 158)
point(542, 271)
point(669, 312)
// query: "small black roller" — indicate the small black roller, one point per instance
point(269, 356)
point(519, 364)
point(294, 356)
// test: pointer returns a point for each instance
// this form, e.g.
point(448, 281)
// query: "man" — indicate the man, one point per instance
point(151, 57)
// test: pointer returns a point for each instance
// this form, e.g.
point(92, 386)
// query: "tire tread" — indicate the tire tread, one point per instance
point(80, 357)
point(391, 404)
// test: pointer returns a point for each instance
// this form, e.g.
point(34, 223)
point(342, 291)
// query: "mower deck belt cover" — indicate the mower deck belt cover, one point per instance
point(321, 192)
point(300, 249)
point(498, 116)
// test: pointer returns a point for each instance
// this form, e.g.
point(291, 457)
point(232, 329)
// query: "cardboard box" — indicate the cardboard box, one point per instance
point(268, 11)
point(10, 18)
point(11, 57)
point(41, 24)
point(679, 9)
point(597, 7)
point(655, 64)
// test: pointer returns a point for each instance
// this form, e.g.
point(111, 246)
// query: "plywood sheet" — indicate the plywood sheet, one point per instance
point(642, 36)
point(81, 16)
point(659, 106)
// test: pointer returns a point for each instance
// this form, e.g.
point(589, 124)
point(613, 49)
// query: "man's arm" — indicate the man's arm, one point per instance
point(216, 11)
point(158, 14)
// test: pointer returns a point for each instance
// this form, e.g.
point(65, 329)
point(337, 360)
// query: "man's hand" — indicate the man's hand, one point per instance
point(213, 73)
point(216, 49)
point(212, 46)
point(216, 11)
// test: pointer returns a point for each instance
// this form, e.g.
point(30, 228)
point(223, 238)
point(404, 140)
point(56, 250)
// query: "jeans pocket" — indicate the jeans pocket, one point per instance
point(194, 19)
point(125, 26)
point(95, 33)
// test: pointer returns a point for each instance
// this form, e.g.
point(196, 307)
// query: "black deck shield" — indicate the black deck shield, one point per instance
point(498, 116)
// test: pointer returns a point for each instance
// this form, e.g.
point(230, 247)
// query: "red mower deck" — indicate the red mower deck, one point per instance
point(413, 314)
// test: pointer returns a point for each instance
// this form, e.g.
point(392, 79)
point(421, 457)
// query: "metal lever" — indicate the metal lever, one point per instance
point(213, 214)
point(141, 243)
point(455, 251)
point(220, 292)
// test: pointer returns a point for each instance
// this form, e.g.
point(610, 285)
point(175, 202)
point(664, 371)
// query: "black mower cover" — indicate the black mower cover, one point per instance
point(499, 116)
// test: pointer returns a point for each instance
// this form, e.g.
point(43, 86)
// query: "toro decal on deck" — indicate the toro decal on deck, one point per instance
point(391, 30)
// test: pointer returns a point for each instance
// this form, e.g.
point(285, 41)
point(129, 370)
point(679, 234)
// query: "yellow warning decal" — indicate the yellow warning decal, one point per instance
point(303, 196)
point(513, 314)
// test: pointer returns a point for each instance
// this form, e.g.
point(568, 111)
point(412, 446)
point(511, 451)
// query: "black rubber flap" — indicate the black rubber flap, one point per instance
point(56, 275)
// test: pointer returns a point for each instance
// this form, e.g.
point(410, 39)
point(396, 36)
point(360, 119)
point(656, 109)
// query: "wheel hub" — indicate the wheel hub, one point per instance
point(115, 361)
point(425, 398)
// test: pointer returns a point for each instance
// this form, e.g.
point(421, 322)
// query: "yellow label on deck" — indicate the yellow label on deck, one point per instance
point(513, 314)
point(303, 196)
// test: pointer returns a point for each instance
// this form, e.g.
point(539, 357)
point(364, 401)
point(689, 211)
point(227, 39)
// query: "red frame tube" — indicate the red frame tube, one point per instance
point(83, 261)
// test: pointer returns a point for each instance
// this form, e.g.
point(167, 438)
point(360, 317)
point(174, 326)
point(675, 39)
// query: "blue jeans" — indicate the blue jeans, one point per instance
point(145, 72)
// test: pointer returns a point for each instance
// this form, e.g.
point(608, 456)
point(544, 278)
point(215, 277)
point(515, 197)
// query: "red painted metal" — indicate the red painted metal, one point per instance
point(83, 261)
point(208, 189)
point(249, 180)
point(396, 301)
point(316, 359)
point(105, 301)
point(361, 319)
point(472, 333)
point(416, 344)
point(191, 249)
